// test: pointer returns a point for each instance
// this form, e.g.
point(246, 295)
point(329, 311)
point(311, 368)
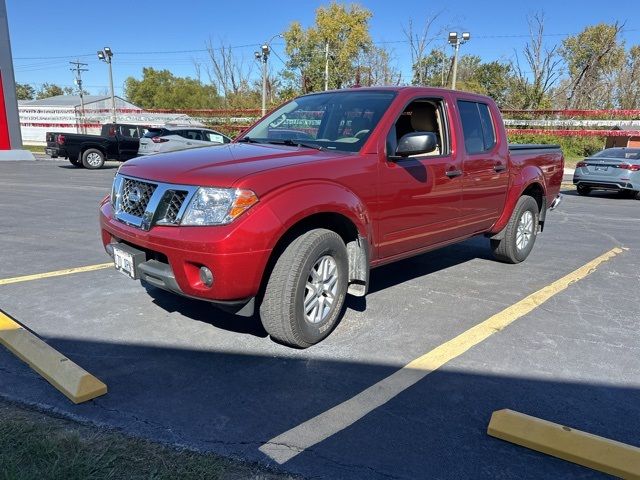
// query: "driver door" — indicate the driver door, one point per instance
point(419, 196)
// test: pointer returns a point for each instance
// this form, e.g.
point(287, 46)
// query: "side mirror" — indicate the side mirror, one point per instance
point(416, 143)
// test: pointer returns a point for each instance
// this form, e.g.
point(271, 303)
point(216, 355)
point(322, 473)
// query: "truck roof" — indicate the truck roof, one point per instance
point(401, 88)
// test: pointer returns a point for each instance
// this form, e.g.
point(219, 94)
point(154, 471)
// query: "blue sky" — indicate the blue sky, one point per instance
point(46, 35)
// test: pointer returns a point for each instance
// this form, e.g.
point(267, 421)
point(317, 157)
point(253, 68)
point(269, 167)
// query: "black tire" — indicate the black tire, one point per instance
point(624, 193)
point(76, 162)
point(92, 159)
point(509, 249)
point(582, 190)
point(283, 311)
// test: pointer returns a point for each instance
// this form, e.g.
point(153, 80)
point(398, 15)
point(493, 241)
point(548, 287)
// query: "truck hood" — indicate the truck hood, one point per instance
point(219, 166)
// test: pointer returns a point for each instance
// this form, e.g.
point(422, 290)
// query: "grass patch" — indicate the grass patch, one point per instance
point(37, 445)
point(34, 148)
point(571, 162)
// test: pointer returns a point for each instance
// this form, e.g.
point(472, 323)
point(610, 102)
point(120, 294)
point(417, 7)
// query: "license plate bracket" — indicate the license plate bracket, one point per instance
point(126, 259)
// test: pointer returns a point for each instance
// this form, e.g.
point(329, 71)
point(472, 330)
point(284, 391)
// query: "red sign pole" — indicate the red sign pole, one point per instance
point(5, 143)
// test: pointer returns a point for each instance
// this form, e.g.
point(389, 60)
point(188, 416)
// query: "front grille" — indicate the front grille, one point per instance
point(136, 196)
point(175, 199)
point(143, 204)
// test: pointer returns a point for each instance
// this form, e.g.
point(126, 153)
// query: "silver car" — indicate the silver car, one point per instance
point(616, 169)
point(171, 138)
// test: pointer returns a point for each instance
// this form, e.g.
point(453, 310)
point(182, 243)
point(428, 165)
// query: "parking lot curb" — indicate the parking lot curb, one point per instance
point(75, 383)
point(579, 447)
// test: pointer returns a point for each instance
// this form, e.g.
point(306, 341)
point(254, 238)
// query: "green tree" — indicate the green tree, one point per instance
point(432, 69)
point(52, 90)
point(592, 56)
point(375, 67)
point(161, 89)
point(338, 37)
point(493, 79)
point(24, 91)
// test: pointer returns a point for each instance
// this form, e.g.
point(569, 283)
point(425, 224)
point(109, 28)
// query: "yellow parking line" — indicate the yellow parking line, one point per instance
point(599, 453)
point(293, 442)
point(74, 382)
point(57, 273)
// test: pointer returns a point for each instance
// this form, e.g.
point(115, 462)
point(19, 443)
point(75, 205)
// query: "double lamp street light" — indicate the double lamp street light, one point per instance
point(455, 40)
point(105, 55)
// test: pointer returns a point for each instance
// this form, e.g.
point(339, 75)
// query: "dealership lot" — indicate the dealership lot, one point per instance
point(182, 372)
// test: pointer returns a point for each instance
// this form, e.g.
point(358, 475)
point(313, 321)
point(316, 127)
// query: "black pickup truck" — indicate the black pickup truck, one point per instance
point(116, 142)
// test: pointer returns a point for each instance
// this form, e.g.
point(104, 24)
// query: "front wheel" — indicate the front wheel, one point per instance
point(92, 159)
point(519, 234)
point(306, 291)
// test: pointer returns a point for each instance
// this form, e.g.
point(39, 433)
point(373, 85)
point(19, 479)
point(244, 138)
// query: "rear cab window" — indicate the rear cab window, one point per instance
point(477, 126)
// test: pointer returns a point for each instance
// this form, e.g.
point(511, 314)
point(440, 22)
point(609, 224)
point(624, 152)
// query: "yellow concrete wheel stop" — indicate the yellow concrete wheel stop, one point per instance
point(598, 453)
point(75, 383)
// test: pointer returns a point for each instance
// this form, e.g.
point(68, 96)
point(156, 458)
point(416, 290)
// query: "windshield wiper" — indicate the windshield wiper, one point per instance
point(296, 143)
point(249, 140)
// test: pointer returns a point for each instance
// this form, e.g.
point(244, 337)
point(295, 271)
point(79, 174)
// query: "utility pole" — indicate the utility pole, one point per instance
point(78, 71)
point(326, 66)
point(456, 41)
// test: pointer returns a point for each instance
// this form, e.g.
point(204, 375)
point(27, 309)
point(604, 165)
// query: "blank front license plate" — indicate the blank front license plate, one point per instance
point(124, 263)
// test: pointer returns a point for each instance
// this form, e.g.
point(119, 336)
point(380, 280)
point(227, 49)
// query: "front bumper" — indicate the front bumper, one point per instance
point(235, 253)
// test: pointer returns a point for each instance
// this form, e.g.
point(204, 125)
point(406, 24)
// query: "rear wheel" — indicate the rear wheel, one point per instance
point(624, 193)
point(582, 190)
point(92, 159)
point(519, 234)
point(306, 291)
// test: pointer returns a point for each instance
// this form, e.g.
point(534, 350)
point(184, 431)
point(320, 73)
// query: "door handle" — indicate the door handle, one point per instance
point(453, 173)
point(499, 167)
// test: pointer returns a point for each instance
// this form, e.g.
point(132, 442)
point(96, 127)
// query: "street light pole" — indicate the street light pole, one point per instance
point(106, 55)
point(456, 41)
point(263, 56)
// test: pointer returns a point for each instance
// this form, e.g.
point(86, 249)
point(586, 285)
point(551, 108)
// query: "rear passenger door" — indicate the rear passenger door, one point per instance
point(485, 167)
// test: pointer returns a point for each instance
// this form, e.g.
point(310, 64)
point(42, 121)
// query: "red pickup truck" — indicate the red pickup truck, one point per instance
point(294, 214)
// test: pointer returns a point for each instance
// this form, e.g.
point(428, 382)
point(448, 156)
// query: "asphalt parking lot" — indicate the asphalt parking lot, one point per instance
point(182, 372)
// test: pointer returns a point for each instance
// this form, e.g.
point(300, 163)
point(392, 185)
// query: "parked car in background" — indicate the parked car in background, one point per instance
point(172, 138)
point(115, 142)
point(616, 169)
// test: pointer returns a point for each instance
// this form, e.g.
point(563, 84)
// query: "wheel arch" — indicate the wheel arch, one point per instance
point(357, 245)
point(529, 181)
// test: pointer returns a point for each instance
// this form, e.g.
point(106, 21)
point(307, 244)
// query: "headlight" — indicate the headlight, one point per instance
point(217, 206)
point(115, 188)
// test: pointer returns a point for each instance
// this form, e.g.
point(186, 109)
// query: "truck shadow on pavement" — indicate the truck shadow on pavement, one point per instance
point(231, 403)
point(381, 278)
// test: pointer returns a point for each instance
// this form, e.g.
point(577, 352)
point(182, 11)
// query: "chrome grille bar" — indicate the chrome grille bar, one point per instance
point(143, 203)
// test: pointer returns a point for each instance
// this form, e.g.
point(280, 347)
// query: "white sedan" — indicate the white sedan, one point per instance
point(172, 138)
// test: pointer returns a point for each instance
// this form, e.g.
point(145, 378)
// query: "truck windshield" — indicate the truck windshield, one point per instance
point(339, 121)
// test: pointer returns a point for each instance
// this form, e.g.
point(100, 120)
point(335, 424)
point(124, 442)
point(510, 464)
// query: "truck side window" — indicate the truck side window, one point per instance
point(422, 115)
point(477, 127)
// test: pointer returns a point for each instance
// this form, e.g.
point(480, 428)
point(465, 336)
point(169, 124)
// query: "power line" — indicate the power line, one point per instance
point(252, 45)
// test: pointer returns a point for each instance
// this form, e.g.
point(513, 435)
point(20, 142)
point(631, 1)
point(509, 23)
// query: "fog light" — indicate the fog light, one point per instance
point(206, 276)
